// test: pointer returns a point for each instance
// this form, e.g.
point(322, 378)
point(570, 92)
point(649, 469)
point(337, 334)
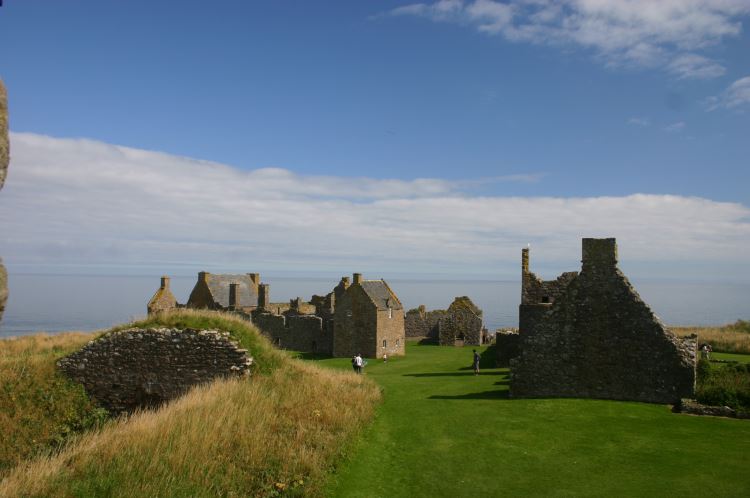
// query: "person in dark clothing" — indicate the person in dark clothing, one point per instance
point(476, 362)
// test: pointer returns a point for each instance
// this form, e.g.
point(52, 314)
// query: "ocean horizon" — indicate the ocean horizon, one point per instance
point(59, 303)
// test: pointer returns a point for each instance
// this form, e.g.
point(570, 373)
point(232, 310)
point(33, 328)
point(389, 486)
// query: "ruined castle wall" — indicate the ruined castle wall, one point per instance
point(461, 327)
point(138, 368)
point(4, 161)
point(305, 333)
point(535, 290)
point(421, 323)
point(506, 347)
point(600, 340)
point(355, 325)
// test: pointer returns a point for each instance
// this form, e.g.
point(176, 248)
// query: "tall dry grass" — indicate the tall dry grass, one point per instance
point(273, 434)
point(39, 407)
point(732, 338)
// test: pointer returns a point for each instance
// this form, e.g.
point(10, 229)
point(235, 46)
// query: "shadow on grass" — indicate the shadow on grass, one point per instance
point(452, 374)
point(504, 394)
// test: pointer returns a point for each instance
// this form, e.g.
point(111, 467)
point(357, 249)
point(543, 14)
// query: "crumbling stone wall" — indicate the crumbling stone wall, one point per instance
point(306, 333)
point(462, 324)
point(600, 340)
point(4, 161)
point(419, 322)
point(506, 346)
point(137, 368)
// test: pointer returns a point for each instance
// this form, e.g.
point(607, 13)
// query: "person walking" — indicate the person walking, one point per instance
point(358, 363)
point(476, 362)
point(354, 364)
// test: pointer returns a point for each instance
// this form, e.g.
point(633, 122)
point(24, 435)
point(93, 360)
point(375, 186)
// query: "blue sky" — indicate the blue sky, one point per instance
point(539, 101)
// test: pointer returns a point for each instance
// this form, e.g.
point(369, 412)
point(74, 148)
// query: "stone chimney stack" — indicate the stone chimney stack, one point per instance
point(525, 260)
point(234, 296)
point(203, 276)
point(264, 296)
point(254, 278)
point(165, 282)
point(599, 254)
point(357, 278)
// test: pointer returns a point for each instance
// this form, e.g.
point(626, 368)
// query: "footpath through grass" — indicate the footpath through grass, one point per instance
point(441, 431)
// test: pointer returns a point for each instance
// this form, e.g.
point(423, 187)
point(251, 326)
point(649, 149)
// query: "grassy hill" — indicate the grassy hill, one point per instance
point(441, 431)
point(277, 433)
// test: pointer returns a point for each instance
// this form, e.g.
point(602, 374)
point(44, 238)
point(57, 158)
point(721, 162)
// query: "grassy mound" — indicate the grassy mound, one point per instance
point(279, 432)
point(39, 407)
point(732, 338)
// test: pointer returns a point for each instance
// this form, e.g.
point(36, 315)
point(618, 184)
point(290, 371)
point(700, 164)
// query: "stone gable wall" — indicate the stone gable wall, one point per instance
point(391, 331)
point(138, 368)
point(419, 322)
point(600, 340)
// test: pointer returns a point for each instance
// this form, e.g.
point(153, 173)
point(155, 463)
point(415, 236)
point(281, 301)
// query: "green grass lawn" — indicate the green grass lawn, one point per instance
point(441, 431)
point(742, 358)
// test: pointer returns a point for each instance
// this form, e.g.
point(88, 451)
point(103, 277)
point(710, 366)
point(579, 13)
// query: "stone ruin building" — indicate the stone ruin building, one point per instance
point(590, 335)
point(363, 317)
point(459, 325)
point(368, 318)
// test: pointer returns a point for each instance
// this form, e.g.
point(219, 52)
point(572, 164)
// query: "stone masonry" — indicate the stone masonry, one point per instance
point(141, 368)
point(596, 338)
point(4, 161)
point(419, 322)
point(463, 324)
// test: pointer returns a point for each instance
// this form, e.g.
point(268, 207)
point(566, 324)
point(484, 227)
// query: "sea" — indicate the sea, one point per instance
point(57, 303)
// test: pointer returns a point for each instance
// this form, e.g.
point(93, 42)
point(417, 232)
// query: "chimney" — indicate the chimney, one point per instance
point(234, 296)
point(599, 254)
point(165, 282)
point(254, 278)
point(264, 296)
point(357, 278)
point(203, 276)
point(525, 260)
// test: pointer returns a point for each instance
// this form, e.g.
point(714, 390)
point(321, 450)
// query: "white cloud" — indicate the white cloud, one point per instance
point(693, 66)
point(675, 127)
point(83, 202)
point(639, 121)
point(736, 96)
point(644, 33)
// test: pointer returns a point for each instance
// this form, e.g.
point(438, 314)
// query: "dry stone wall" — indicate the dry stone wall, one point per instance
point(139, 368)
point(506, 346)
point(306, 333)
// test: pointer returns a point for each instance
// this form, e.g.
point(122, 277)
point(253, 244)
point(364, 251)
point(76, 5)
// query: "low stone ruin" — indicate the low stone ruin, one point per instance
point(143, 368)
point(506, 347)
point(460, 324)
point(590, 335)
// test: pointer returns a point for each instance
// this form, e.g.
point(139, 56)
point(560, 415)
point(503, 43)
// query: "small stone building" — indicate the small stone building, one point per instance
point(163, 299)
point(590, 335)
point(462, 325)
point(368, 319)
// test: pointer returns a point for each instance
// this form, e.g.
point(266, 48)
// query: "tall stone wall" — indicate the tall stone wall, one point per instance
point(600, 340)
point(391, 338)
point(138, 368)
point(355, 325)
point(506, 347)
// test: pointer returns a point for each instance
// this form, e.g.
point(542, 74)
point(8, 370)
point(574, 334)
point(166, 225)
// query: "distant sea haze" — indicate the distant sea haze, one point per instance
point(55, 303)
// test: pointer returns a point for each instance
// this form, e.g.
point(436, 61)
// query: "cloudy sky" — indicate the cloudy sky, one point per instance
point(433, 138)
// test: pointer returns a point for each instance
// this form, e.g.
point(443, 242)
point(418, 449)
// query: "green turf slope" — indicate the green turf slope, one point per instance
point(441, 431)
